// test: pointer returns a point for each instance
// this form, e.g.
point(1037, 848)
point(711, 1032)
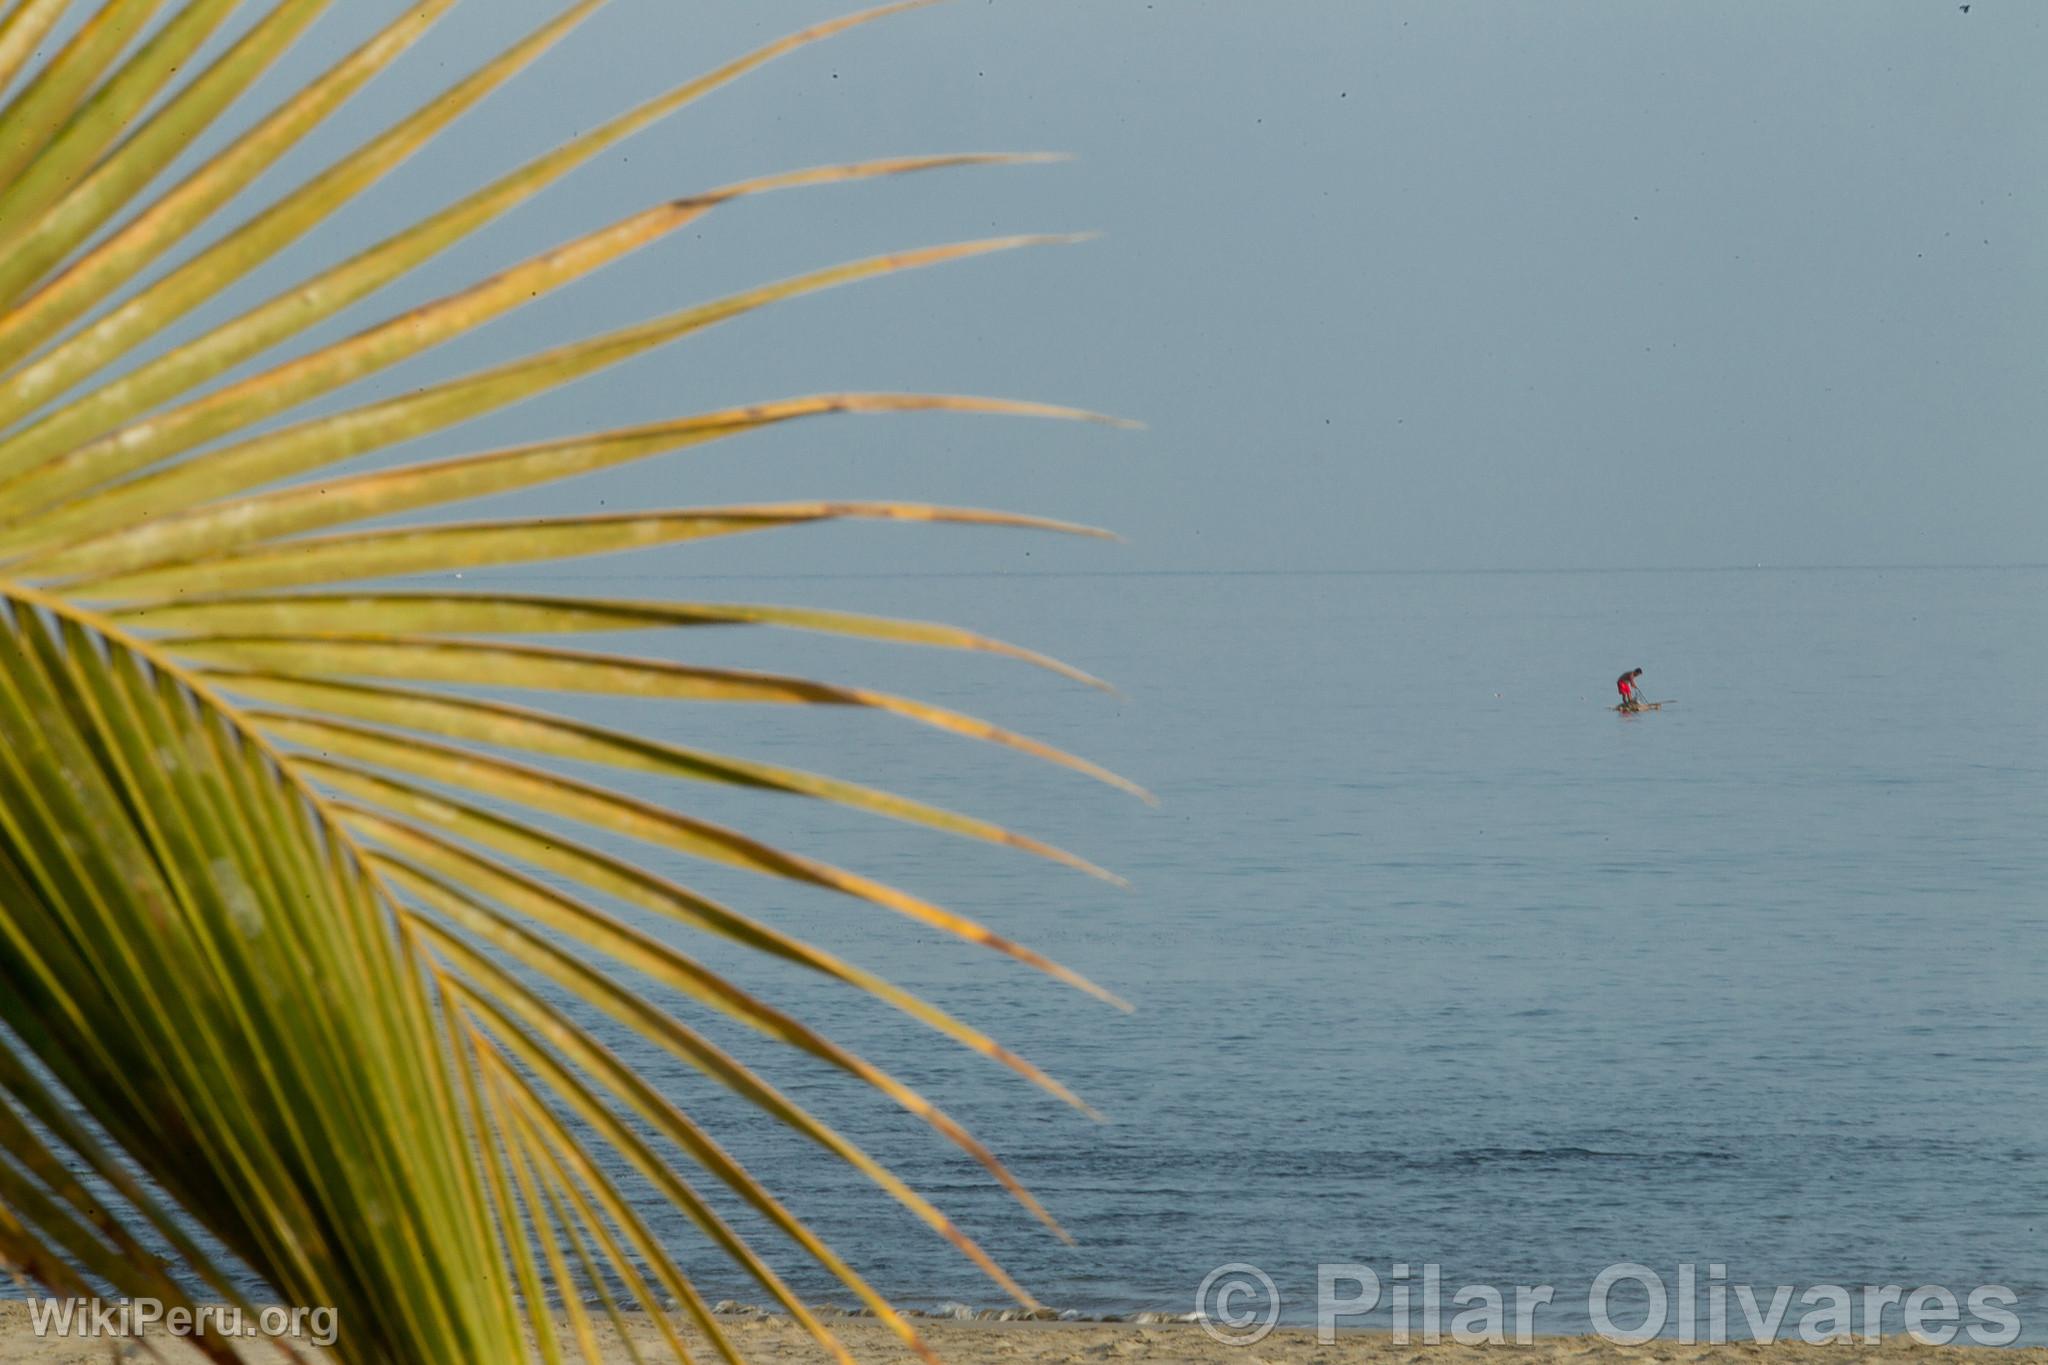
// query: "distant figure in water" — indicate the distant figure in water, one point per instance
point(1626, 685)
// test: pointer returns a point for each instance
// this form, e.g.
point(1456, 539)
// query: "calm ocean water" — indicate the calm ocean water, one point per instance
point(1436, 958)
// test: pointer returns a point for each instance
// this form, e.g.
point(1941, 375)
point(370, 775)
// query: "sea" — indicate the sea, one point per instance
point(1446, 977)
point(1436, 960)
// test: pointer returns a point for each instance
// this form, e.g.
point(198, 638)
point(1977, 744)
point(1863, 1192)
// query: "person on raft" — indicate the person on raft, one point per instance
point(1631, 697)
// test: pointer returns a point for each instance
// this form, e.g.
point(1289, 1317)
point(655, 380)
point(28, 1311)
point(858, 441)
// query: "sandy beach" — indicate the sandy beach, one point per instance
point(776, 1341)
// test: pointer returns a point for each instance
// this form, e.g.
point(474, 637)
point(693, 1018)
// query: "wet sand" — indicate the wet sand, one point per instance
point(776, 1341)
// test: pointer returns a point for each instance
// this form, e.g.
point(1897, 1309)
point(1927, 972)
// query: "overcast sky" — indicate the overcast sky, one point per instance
point(1428, 285)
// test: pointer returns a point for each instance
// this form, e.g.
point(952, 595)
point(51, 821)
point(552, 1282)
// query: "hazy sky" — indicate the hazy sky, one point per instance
point(1393, 285)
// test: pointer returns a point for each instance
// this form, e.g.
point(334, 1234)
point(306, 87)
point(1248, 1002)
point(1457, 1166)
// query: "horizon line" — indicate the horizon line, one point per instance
point(1329, 572)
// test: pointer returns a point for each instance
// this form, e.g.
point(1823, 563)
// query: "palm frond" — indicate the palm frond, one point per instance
point(301, 939)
